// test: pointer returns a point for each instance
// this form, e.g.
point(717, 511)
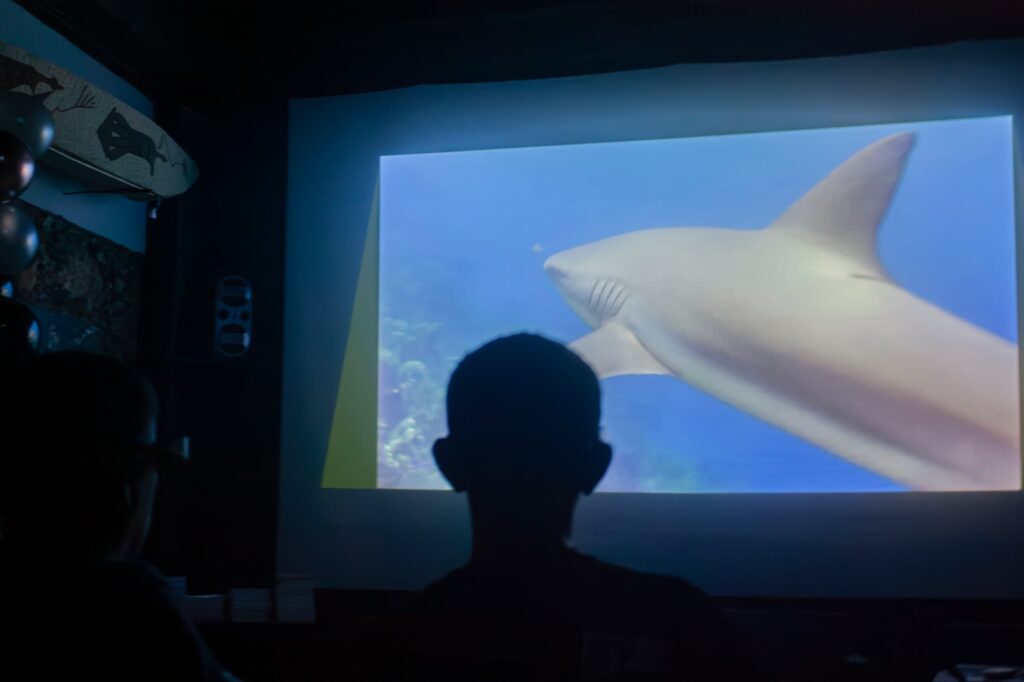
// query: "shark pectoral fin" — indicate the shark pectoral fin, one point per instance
point(612, 350)
point(843, 211)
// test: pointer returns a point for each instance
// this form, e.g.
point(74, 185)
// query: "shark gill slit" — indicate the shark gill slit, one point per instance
point(620, 299)
point(599, 303)
point(602, 296)
point(606, 295)
point(590, 299)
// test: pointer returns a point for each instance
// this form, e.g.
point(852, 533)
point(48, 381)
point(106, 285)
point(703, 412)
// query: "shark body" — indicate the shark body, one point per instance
point(800, 325)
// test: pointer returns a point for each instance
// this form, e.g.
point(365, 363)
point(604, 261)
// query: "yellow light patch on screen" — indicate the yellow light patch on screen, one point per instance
point(351, 460)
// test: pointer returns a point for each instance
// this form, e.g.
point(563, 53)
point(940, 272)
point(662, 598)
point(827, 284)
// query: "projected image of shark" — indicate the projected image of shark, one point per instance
point(799, 324)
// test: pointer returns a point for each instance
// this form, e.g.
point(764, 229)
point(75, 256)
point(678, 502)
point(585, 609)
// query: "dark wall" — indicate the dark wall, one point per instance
point(336, 48)
point(217, 517)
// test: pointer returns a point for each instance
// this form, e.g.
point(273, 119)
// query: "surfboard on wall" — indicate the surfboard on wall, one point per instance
point(98, 138)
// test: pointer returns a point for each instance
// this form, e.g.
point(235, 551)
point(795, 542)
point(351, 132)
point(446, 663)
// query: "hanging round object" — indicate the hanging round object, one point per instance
point(28, 119)
point(16, 167)
point(19, 240)
point(19, 331)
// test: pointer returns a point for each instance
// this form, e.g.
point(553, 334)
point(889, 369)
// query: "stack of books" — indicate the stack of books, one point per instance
point(200, 608)
point(250, 605)
point(295, 599)
point(176, 584)
point(204, 608)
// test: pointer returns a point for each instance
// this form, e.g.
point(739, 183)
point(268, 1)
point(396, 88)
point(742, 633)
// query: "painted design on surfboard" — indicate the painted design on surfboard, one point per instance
point(97, 131)
point(14, 74)
point(119, 138)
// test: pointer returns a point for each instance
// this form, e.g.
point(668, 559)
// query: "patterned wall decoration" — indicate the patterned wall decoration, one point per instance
point(84, 288)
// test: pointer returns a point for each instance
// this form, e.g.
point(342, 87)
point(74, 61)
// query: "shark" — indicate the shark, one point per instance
point(799, 324)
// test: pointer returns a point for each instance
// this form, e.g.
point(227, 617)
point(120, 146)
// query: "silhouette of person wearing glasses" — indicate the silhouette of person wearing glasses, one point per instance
point(79, 466)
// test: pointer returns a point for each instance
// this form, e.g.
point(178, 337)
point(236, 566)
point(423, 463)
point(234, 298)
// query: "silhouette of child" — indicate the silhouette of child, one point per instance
point(523, 444)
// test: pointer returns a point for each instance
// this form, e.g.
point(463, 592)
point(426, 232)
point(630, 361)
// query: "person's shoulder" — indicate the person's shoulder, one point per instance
point(103, 582)
point(130, 574)
point(134, 592)
point(608, 576)
point(152, 620)
point(123, 614)
point(439, 594)
point(566, 572)
point(651, 607)
point(131, 585)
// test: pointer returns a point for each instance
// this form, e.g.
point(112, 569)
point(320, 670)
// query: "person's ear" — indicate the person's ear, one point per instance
point(450, 462)
point(597, 462)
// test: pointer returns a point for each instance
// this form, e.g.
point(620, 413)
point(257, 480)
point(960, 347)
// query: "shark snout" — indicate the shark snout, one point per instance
point(555, 269)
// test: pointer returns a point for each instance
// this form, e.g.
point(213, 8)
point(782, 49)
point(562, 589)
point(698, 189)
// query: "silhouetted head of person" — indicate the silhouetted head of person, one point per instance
point(524, 435)
point(79, 462)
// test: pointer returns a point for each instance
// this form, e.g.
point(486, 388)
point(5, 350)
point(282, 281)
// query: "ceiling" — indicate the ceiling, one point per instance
point(195, 50)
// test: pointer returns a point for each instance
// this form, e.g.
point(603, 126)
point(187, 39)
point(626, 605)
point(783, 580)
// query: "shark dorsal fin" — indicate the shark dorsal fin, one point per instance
point(843, 211)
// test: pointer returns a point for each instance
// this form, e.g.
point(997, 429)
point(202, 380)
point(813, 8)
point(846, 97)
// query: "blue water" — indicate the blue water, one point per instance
point(463, 237)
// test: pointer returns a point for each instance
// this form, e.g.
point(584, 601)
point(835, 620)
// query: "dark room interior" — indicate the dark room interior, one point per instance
point(783, 237)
